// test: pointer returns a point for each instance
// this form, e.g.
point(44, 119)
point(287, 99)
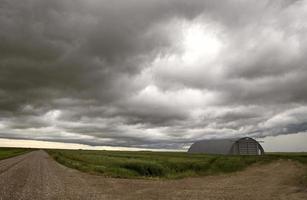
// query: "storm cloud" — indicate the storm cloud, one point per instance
point(152, 74)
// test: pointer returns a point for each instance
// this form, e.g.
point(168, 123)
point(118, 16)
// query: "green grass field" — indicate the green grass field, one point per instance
point(168, 165)
point(11, 152)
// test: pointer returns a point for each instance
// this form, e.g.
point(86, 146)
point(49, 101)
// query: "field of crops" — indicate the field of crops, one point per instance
point(159, 164)
point(10, 152)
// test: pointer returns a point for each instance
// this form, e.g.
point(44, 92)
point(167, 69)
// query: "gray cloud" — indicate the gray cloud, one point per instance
point(158, 74)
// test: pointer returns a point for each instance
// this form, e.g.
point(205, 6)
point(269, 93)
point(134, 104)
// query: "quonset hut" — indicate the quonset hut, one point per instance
point(242, 146)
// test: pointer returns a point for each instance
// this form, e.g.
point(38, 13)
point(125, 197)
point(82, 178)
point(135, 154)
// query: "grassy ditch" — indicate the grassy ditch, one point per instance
point(167, 165)
point(11, 152)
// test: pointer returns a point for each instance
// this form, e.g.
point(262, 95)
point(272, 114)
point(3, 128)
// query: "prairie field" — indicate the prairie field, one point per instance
point(169, 165)
point(150, 175)
point(11, 152)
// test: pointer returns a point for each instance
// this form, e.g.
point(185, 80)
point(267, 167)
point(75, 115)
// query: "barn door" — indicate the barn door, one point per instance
point(247, 147)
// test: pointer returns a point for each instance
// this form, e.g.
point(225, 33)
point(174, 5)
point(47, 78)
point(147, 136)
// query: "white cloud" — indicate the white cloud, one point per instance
point(152, 73)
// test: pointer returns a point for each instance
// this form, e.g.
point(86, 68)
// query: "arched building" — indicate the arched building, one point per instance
point(242, 146)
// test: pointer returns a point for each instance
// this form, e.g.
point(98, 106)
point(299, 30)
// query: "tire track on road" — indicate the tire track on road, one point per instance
point(4, 166)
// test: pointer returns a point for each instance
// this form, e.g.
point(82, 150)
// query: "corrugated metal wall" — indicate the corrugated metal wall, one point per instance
point(241, 146)
point(246, 146)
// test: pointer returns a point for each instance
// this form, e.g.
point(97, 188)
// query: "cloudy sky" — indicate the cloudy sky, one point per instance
point(152, 73)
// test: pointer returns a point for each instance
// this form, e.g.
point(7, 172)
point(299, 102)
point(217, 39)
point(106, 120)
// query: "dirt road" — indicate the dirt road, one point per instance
point(36, 176)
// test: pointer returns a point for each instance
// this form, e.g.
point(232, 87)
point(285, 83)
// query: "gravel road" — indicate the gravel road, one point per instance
point(36, 176)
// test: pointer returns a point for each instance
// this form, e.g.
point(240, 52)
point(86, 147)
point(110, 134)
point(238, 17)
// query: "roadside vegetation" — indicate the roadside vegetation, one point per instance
point(167, 165)
point(11, 152)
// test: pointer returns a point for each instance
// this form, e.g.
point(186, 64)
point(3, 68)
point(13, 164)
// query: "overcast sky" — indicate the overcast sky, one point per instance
point(152, 73)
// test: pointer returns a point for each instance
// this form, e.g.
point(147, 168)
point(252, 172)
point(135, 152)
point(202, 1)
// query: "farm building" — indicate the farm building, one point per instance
point(242, 146)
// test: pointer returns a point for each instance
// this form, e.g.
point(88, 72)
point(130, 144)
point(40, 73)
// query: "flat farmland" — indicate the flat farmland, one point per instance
point(168, 165)
point(11, 152)
point(36, 175)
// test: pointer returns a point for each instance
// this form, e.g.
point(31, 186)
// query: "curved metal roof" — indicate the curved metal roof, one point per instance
point(218, 146)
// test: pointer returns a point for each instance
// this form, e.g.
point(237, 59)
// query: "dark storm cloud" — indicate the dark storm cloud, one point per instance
point(156, 74)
